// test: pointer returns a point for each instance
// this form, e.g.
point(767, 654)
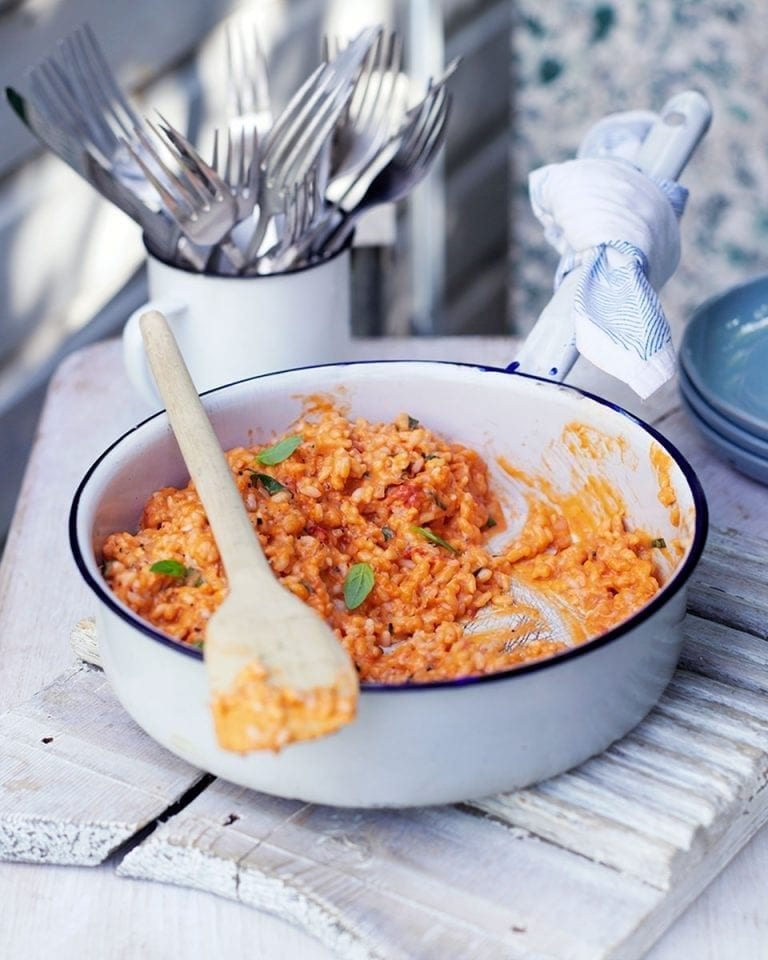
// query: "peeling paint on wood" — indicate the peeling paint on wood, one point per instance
point(77, 776)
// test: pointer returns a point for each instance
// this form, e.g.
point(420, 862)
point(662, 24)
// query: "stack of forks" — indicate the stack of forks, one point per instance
point(277, 192)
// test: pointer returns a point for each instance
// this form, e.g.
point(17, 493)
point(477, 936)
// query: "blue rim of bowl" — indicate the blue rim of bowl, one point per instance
point(701, 527)
point(687, 359)
point(736, 455)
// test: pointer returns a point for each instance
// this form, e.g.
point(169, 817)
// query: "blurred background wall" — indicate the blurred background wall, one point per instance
point(469, 257)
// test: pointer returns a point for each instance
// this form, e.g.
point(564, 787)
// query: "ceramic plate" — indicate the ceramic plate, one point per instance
point(724, 352)
point(740, 459)
point(714, 419)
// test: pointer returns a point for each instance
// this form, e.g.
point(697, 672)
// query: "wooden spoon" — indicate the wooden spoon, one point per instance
point(277, 672)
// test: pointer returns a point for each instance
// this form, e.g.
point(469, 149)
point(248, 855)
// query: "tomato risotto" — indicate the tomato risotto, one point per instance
point(383, 528)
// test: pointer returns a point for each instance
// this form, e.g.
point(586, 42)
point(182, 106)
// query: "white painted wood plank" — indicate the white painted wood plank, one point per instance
point(77, 776)
point(89, 913)
point(429, 883)
point(731, 584)
point(726, 654)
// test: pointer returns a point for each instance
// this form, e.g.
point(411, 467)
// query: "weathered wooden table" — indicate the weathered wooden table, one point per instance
point(92, 912)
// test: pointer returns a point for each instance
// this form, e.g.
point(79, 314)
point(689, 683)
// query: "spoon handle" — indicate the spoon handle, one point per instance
point(237, 542)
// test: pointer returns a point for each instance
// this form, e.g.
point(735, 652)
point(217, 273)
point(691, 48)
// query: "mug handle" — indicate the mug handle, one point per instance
point(134, 355)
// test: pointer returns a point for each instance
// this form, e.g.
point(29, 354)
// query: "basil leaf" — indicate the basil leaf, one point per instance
point(271, 485)
point(280, 451)
point(412, 422)
point(433, 538)
point(489, 524)
point(358, 583)
point(659, 542)
point(170, 568)
point(387, 533)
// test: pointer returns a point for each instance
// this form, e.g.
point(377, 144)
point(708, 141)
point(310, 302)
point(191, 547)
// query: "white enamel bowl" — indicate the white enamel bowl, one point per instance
point(419, 744)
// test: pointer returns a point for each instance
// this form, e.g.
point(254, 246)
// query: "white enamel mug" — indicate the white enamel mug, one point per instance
point(229, 328)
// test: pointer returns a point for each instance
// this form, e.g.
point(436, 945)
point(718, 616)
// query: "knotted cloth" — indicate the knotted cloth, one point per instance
point(619, 228)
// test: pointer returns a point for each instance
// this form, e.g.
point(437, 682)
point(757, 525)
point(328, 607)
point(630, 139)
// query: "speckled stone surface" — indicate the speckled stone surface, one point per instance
point(575, 61)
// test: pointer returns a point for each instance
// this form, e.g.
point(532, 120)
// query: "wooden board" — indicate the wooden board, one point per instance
point(77, 776)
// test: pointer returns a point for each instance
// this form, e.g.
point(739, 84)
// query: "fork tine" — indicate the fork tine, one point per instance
point(419, 123)
point(191, 159)
point(388, 89)
point(60, 87)
point(310, 140)
point(189, 191)
point(166, 137)
point(259, 74)
point(394, 68)
point(170, 201)
point(436, 134)
point(358, 100)
point(306, 114)
point(247, 68)
point(382, 66)
point(432, 139)
point(241, 176)
point(55, 98)
point(317, 79)
point(430, 113)
point(74, 72)
point(215, 152)
point(107, 79)
point(251, 171)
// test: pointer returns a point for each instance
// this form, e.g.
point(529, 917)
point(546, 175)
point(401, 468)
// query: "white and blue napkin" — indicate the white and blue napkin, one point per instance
point(619, 228)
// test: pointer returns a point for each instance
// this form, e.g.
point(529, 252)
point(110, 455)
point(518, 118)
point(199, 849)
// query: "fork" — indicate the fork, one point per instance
point(161, 233)
point(378, 160)
point(248, 82)
point(413, 151)
point(375, 109)
point(195, 198)
point(302, 206)
point(302, 130)
point(238, 167)
point(219, 216)
point(76, 88)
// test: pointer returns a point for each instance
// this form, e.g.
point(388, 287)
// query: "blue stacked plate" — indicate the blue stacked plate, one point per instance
point(724, 375)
